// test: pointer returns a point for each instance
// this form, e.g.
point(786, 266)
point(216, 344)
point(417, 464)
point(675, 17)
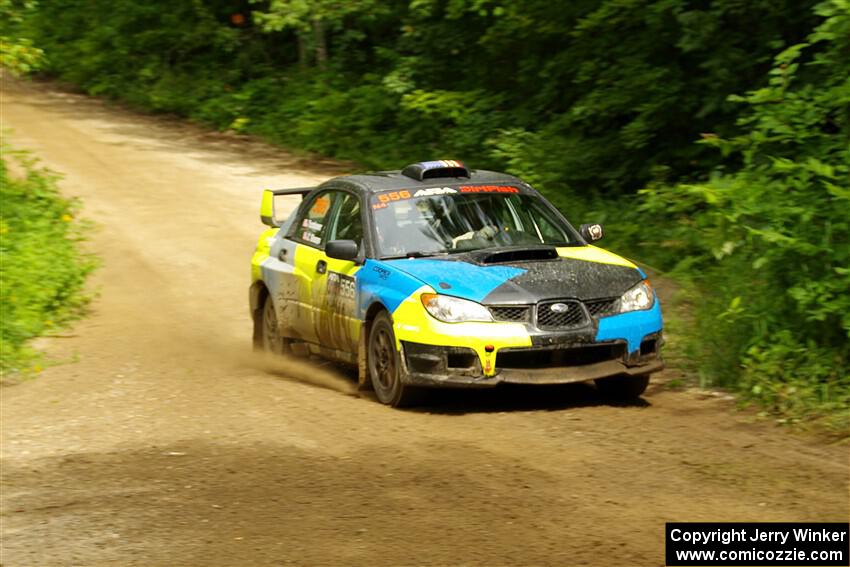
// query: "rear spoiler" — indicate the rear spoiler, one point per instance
point(267, 204)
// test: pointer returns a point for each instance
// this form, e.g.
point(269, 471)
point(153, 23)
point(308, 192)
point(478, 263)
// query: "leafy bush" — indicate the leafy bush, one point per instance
point(768, 245)
point(17, 53)
point(42, 267)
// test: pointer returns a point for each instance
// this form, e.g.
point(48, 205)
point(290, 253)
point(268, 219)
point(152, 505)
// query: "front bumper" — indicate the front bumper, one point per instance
point(473, 354)
point(441, 366)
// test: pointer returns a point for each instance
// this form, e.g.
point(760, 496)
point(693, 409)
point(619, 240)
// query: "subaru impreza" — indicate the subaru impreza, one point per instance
point(438, 275)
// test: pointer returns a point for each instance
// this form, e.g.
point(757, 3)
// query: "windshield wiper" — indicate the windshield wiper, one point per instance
point(414, 255)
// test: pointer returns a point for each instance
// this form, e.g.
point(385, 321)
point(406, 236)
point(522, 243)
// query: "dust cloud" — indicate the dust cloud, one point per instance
point(223, 351)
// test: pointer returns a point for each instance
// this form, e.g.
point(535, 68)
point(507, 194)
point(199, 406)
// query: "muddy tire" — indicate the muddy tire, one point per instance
point(623, 387)
point(384, 365)
point(270, 339)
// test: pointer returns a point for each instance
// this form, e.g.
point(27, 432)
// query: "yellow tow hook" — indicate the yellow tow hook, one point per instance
point(488, 360)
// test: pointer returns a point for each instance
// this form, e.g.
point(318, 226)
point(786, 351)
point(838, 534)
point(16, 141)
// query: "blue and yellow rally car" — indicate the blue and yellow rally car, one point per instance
point(442, 276)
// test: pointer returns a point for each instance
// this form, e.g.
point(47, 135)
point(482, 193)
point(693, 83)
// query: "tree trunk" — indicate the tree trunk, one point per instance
point(320, 41)
point(303, 56)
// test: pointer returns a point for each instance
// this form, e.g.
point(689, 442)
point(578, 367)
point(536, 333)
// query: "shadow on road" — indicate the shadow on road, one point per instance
point(509, 397)
point(449, 401)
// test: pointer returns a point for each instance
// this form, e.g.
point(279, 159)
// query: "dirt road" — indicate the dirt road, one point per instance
point(165, 443)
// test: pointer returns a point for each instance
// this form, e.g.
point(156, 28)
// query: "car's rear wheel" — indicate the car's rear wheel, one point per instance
point(270, 339)
point(623, 387)
point(384, 365)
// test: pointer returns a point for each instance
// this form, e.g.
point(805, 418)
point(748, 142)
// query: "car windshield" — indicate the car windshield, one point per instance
point(447, 220)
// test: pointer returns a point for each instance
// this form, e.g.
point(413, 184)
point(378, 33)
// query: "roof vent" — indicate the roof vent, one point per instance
point(435, 169)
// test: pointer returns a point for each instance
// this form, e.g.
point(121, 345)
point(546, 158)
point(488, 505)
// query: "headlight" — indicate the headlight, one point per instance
point(638, 298)
point(453, 309)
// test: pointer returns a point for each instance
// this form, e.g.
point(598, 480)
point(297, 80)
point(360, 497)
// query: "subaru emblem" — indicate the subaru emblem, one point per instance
point(559, 307)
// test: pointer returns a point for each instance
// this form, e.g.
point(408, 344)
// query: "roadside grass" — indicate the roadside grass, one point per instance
point(795, 402)
point(43, 266)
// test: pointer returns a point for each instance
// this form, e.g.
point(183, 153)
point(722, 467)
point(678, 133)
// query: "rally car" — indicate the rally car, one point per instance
point(442, 276)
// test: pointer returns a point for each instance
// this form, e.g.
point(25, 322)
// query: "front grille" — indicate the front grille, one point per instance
point(511, 313)
point(573, 316)
point(601, 307)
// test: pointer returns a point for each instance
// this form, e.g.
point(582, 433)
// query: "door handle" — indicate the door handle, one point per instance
point(321, 266)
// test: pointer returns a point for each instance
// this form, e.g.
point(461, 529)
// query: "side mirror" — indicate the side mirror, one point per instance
point(342, 250)
point(592, 232)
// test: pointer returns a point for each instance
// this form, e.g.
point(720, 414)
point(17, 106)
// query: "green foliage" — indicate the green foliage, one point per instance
point(312, 21)
point(604, 96)
point(42, 268)
point(17, 53)
point(769, 243)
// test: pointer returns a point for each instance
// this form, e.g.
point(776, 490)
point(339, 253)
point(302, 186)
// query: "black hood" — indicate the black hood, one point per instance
point(546, 275)
point(564, 278)
point(521, 275)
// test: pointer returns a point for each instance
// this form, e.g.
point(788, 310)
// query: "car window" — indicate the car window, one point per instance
point(312, 225)
point(545, 225)
point(446, 220)
point(347, 223)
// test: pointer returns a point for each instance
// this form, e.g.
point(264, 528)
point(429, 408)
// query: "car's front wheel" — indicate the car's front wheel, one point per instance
point(623, 387)
point(384, 365)
point(270, 338)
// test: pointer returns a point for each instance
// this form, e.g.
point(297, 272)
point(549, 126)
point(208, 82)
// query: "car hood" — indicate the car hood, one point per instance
point(523, 276)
